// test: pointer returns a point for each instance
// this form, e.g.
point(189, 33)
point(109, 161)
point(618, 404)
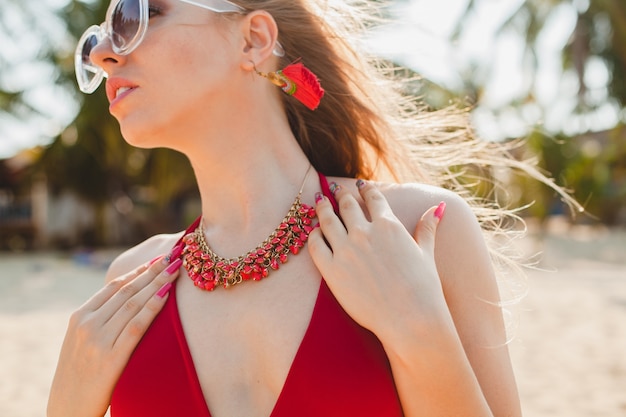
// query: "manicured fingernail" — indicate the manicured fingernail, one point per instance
point(174, 266)
point(318, 197)
point(164, 290)
point(334, 187)
point(441, 208)
point(155, 259)
point(176, 252)
point(360, 184)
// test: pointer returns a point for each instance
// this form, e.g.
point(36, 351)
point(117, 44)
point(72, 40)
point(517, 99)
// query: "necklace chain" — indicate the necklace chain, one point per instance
point(208, 270)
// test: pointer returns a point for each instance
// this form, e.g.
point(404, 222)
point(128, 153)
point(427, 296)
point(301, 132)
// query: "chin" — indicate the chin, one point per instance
point(140, 135)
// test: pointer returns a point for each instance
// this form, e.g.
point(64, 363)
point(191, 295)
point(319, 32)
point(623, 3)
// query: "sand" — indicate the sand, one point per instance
point(569, 350)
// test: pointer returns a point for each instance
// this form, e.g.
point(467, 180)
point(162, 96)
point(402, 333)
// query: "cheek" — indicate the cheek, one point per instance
point(196, 51)
point(185, 79)
point(196, 71)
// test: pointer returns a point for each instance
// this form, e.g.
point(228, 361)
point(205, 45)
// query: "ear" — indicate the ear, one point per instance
point(260, 33)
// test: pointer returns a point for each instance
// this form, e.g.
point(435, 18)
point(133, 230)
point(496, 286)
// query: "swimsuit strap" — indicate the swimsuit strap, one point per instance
point(327, 193)
point(190, 229)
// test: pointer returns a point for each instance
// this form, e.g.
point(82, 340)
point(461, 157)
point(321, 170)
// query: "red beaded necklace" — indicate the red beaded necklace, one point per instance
point(209, 270)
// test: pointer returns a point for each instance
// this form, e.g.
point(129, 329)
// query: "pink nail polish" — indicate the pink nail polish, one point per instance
point(155, 259)
point(164, 290)
point(441, 208)
point(318, 197)
point(176, 252)
point(174, 266)
point(360, 184)
point(334, 187)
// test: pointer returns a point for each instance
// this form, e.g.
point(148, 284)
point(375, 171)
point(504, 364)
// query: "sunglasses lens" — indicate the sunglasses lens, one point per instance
point(87, 74)
point(126, 24)
point(90, 43)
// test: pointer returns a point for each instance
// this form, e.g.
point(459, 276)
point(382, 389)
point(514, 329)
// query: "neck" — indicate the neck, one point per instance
point(248, 181)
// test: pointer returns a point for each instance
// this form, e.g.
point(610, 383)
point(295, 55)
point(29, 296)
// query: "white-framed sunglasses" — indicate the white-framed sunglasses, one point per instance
point(125, 26)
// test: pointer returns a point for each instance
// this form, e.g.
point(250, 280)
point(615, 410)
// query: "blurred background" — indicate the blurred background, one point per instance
point(552, 71)
point(73, 194)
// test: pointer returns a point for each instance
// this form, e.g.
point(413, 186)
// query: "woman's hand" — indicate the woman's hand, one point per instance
point(447, 353)
point(381, 275)
point(101, 336)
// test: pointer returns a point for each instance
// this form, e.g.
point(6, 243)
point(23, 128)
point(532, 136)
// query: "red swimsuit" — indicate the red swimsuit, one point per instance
point(340, 369)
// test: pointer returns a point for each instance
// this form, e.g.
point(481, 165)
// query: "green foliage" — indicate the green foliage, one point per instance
point(90, 157)
point(593, 166)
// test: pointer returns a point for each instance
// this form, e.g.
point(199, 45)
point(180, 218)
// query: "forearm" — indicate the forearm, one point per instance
point(69, 399)
point(433, 374)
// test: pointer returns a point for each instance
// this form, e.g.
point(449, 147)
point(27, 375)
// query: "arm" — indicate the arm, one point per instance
point(434, 308)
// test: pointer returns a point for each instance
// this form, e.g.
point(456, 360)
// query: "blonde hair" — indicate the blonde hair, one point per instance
point(367, 127)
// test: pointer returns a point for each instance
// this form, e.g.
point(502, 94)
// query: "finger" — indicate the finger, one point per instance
point(128, 289)
point(426, 229)
point(111, 288)
point(331, 226)
point(349, 208)
point(321, 254)
point(375, 201)
point(131, 298)
point(137, 317)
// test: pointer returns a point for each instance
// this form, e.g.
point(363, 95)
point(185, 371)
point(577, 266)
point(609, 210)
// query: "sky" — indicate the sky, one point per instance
point(418, 38)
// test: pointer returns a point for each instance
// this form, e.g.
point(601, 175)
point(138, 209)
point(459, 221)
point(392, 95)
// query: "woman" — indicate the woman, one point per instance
point(406, 319)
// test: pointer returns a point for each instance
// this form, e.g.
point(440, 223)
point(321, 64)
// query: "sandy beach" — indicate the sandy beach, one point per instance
point(569, 349)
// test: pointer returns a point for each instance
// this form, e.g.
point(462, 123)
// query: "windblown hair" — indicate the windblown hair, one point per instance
point(365, 127)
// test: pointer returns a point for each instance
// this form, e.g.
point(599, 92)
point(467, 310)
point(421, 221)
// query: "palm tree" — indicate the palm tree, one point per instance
point(592, 164)
point(89, 157)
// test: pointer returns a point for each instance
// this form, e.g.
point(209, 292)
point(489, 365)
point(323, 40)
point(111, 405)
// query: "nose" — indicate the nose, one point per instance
point(103, 56)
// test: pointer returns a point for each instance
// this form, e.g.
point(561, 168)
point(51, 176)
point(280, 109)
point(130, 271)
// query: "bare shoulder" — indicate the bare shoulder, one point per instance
point(142, 253)
point(460, 240)
point(460, 244)
point(409, 201)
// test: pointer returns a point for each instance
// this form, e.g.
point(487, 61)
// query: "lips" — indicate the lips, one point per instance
point(118, 87)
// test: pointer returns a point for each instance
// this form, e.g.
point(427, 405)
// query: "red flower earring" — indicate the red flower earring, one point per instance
point(298, 81)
